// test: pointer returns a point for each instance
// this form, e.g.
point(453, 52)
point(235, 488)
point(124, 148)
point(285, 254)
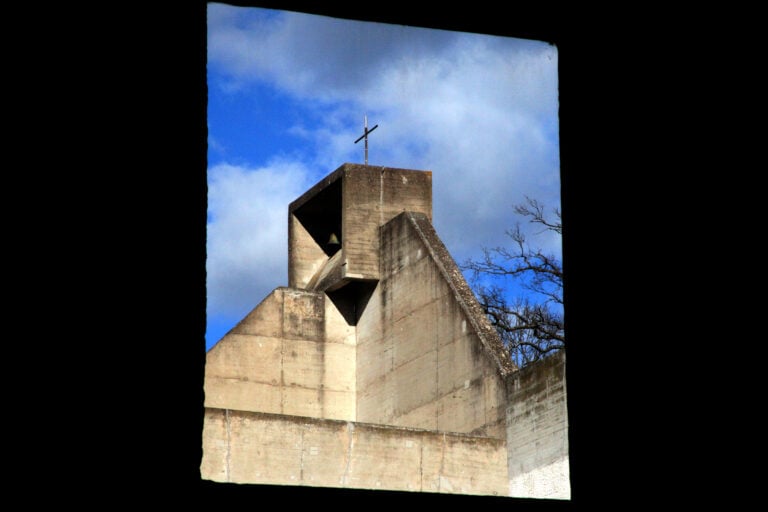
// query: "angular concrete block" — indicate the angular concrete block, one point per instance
point(305, 256)
point(265, 319)
point(405, 190)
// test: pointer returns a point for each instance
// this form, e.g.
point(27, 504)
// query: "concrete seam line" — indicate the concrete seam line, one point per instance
point(350, 444)
point(229, 443)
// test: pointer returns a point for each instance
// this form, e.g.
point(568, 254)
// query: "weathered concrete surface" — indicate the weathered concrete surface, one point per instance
point(293, 354)
point(537, 430)
point(330, 276)
point(353, 202)
point(427, 357)
point(247, 447)
point(305, 256)
point(385, 335)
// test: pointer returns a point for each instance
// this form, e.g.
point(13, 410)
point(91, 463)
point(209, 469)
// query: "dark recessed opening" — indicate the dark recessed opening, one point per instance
point(352, 298)
point(321, 217)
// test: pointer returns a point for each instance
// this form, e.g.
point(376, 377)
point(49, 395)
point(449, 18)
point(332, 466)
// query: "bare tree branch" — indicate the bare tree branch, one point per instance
point(529, 328)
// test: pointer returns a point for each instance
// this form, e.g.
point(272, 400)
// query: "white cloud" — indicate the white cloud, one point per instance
point(483, 119)
point(320, 56)
point(479, 111)
point(248, 232)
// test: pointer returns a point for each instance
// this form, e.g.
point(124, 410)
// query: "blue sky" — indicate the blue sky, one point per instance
point(287, 95)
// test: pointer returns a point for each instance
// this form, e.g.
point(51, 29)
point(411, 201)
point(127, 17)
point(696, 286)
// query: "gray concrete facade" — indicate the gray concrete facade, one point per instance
point(375, 367)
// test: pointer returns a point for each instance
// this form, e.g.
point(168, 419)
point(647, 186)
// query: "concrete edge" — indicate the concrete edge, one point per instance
point(462, 292)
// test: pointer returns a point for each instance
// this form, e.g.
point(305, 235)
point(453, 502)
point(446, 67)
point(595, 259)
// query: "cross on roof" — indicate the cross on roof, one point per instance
point(366, 131)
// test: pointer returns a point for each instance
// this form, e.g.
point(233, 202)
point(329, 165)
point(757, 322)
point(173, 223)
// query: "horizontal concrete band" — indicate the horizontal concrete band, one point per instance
point(276, 449)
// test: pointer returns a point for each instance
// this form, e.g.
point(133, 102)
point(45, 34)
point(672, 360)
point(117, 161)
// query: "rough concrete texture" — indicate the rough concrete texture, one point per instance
point(305, 257)
point(293, 354)
point(290, 450)
point(330, 276)
point(369, 197)
point(421, 360)
point(376, 368)
point(537, 430)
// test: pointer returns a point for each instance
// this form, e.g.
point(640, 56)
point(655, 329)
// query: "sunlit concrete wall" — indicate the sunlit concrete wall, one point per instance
point(305, 256)
point(537, 430)
point(293, 354)
point(424, 358)
point(371, 197)
point(406, 375)
point(363, 198)
point(246, 447)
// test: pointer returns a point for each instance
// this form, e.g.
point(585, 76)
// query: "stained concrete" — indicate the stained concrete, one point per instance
point(376, 368)
point(421, 361)
point(351, 202)
point(537, 430)
point(293, 354)
point(282, 449)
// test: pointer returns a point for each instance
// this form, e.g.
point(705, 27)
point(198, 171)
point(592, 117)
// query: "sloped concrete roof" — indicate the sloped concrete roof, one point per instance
point(463, 293)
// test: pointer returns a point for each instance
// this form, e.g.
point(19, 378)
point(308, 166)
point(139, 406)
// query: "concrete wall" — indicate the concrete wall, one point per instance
point(369, 197)
point(305, 257)
point(293, 354)
point(422, 360)
point(246, 447)
point(537, 430)
point(377, 368)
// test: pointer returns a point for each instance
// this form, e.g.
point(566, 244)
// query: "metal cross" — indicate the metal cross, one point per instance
point(366, 131)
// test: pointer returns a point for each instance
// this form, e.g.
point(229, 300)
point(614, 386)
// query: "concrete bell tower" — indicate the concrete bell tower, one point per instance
point(376, 368)
point(349, 206)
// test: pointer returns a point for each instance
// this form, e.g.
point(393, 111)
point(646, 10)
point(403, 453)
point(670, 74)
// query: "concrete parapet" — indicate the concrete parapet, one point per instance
point(537, 430)
point(259, 448)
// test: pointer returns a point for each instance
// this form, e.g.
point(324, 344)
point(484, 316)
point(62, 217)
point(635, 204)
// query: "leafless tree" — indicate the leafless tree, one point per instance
point(531, 326)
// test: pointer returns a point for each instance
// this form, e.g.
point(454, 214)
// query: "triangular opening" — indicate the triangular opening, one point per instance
point(352, 298)
point(321, 217)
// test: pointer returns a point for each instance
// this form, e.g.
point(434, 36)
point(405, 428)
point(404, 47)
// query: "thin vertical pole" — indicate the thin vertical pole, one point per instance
point(366, 131)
